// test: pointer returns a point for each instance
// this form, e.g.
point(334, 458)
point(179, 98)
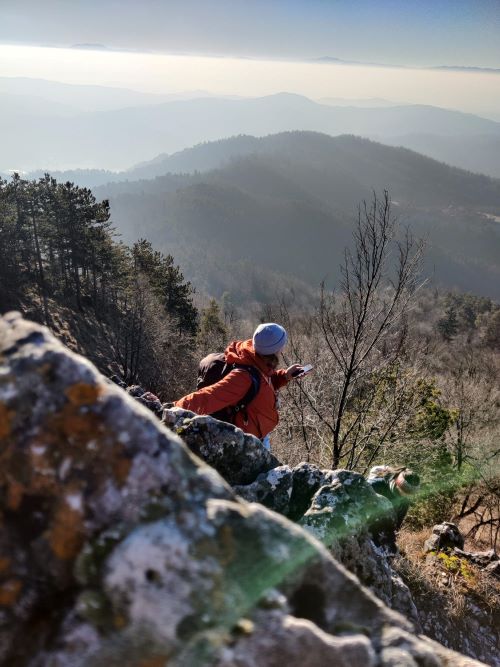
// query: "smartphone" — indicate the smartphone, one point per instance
point(303, 371)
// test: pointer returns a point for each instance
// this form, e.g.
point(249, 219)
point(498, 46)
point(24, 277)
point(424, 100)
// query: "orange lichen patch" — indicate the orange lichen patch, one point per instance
point(119, 621)
point(121, 469)
point(4, 564)
point(154, 661)
point(76, 425)
point(121, 464)
point(69, 425)
point(6, 416)
point(9, 592)
point(66, 533)
point(83, 393)
point(43, 483)
point(15, 492)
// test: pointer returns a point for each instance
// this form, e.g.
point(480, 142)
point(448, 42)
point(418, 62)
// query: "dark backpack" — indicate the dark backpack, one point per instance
point(212, 369)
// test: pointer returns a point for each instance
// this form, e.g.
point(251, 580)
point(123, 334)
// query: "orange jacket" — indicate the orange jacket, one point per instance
point(262, 411)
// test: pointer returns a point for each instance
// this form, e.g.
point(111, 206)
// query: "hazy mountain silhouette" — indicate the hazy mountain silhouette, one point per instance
point(370, 103)
point(289, 203)
point(82, 98)
point(480, 153)
point(117, 138)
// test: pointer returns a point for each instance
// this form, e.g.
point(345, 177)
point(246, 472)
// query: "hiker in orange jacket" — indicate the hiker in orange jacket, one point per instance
point(261, 351)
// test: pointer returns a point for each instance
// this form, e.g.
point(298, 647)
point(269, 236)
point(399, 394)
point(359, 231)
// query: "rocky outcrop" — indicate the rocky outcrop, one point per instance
point(472, 624)
point(344, 513)
point(444, 536)
point(330, 503)
point(237, 456)
point(118, 546)
point(338, 507)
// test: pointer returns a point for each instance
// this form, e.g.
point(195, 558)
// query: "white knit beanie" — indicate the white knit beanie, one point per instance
point(269, 338)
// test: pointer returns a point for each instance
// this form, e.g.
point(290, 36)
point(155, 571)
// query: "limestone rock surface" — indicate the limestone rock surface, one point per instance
point(237, 456)
point(342, 510)
point(120, 548)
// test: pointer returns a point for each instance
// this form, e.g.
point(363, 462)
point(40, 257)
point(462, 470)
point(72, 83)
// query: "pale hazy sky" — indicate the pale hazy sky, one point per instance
point(405, 32)
point(259, 47)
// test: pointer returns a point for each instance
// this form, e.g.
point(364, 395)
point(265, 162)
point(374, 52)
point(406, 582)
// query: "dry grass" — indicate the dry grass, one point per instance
point(412, 564)
point(446, 580)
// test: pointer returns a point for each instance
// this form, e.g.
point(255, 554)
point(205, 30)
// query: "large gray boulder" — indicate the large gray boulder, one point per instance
point(237, 456)
point(118, 547)
point(344, 506)
point(273, 489)
point(286, 490)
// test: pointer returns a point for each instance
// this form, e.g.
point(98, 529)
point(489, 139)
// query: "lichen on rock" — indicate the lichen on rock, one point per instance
point(119, 547)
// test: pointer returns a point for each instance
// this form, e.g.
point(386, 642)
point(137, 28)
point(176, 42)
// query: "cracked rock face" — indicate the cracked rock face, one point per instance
point(118, 547)
point(277, 639)
point(237, 456)
point(343, 511)
point(346, 504)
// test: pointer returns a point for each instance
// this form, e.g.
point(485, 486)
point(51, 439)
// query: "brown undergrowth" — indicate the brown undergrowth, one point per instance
point(445, 579)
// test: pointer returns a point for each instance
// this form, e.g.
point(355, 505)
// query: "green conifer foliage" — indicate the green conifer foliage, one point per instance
point(448, 325)
point(57, 246)
point(213, 334)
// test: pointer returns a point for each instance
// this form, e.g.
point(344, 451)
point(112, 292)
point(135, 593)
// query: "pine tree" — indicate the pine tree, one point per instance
point(168, 284)
point(448, 325)
point(213, 334)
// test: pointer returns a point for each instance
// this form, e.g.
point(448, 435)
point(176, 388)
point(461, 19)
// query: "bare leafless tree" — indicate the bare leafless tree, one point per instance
point(362, 329)
point(469, 385)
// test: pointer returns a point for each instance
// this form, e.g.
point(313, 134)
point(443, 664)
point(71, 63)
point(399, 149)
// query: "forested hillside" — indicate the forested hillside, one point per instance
point(118, 305)
point(305, 187)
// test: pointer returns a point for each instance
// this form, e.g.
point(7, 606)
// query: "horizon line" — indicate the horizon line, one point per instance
point(320, 60)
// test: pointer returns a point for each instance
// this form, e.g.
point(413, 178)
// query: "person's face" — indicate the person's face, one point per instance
point(271, 361)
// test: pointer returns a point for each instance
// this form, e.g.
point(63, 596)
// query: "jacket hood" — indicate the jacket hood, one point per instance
point(242, 352)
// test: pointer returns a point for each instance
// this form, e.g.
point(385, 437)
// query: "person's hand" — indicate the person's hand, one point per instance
point(292, 370)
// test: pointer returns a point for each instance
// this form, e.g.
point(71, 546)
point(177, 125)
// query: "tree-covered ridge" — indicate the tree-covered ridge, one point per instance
point(58, 247)
point(303, 187)
point(316, 158)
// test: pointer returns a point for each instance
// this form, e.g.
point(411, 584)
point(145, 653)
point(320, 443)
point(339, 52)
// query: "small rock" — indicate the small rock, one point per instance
point(444, 536)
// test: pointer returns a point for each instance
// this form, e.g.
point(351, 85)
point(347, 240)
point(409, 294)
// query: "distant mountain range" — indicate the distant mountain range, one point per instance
point(369, 102)
point(285, 205)
point(457, 68)
point(467, 68)
point(81, 98)
point(40, 130)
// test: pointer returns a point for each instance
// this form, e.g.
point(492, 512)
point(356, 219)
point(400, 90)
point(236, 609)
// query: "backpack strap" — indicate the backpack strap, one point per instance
point(252, 392)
